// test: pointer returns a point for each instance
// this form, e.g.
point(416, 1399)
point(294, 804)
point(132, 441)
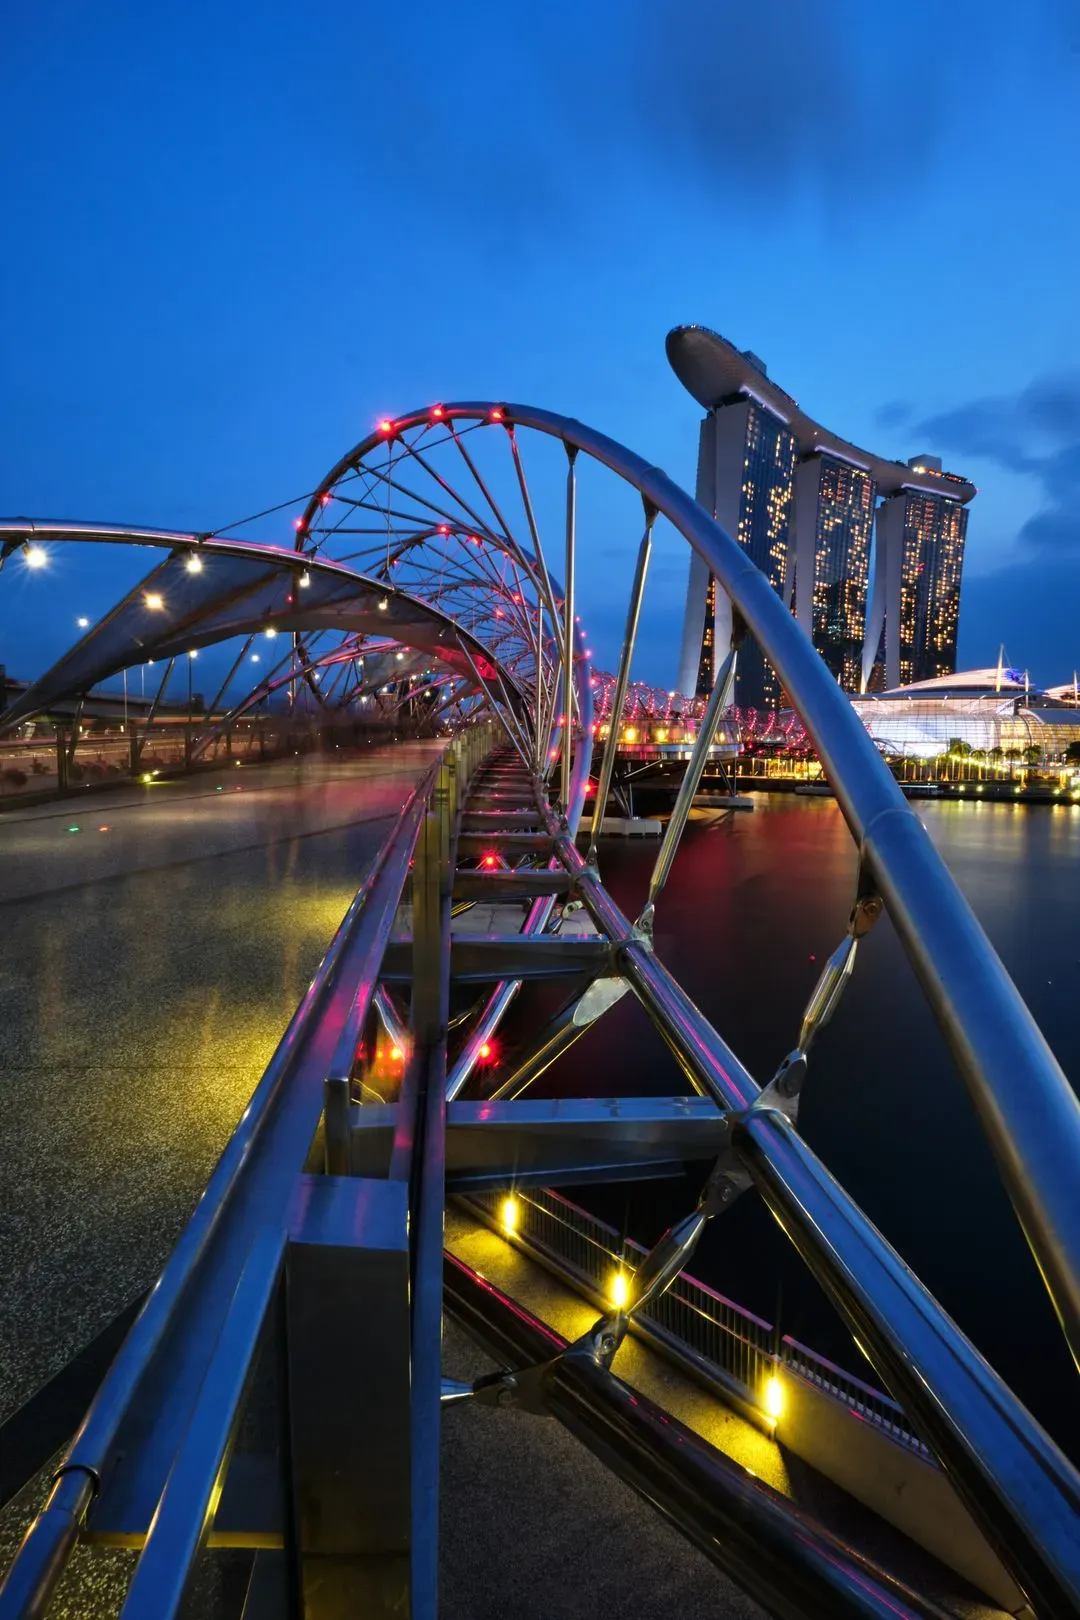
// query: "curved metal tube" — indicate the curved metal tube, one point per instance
point(1025, 1106)
point(1014, 1481)
point(240, 608)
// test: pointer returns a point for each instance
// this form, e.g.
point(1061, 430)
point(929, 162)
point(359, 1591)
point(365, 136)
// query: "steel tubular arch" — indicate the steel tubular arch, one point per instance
point(128, 634)
point(1019, 1488)
point(1023, 1102)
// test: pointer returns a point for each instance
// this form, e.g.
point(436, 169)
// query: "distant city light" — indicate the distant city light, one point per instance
point(154, 602)
point(35, 556)
point(194, 564)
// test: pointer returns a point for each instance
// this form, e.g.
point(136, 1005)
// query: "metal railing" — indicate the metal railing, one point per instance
point(690, 1316)
point(171, 1400)
point(1022, 1492)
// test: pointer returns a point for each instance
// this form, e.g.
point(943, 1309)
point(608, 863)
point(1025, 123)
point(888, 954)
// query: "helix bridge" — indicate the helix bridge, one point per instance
point(283, 1388)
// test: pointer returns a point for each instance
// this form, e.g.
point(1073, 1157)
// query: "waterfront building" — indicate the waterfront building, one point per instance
point(801, 501)
point(833, 530)
point(921, 554)
point(996, 712)
point(746, 468)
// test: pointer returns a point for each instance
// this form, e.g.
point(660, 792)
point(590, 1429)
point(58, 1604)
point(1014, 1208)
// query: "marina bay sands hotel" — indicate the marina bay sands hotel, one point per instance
point(828, 523)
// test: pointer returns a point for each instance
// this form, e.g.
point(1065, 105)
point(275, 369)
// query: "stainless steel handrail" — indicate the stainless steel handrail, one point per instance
point(279, 1108)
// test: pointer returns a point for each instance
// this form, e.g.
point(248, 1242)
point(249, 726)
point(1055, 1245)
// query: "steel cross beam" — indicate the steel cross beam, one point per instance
point(550, 1142)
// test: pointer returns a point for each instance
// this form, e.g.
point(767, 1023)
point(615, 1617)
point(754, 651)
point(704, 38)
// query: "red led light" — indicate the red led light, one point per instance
point(437, 410)
point(103, 829)
point(590, 787)
point(489, 860)
point(396, 1053)
point(485, 1050)
point(444, 528)
point(499, 614)
point(298, 524)
point(386, 426)
point(496, 415)
point(326, 498)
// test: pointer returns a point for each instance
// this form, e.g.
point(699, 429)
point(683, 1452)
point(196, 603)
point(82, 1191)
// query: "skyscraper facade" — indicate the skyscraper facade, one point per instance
point(746, 470)
point(921, 552)
point(833, 531)
point(801, 501)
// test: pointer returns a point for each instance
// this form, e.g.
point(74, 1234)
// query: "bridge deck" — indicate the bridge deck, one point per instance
point(148, 977)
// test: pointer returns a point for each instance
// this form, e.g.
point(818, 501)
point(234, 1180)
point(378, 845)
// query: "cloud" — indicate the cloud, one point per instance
point(1035, 432)
point(894, 413)
point(765, 101)
point(514, 121)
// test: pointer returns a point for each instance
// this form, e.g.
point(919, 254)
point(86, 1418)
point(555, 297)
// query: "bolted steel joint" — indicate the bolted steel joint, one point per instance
point(791, 1074)
point(864, 914)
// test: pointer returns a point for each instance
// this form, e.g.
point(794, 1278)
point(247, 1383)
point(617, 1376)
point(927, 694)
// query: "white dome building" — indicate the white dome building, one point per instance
point(988, 709)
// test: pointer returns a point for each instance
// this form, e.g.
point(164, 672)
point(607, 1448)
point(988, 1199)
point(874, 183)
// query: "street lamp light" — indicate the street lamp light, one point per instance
point(35, 556)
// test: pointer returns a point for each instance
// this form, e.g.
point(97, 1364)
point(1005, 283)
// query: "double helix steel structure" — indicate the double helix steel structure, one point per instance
point(308, 1291)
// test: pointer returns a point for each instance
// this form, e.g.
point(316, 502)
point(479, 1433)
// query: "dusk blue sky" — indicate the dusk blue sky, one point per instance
point(237, 234)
